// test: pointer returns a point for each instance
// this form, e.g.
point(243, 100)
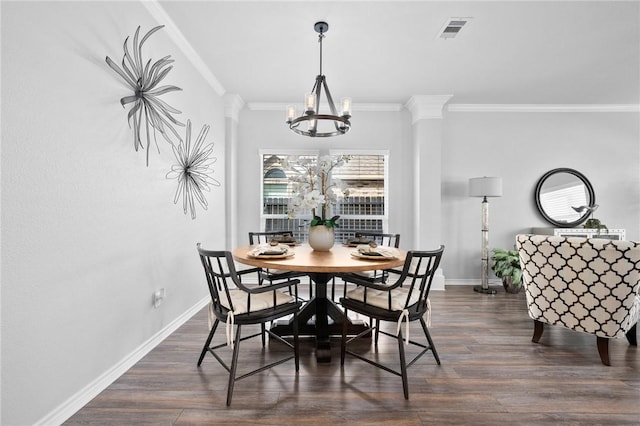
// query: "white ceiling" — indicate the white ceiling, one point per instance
point(514, 52)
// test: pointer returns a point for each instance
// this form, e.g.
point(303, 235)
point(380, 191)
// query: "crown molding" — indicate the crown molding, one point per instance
point(543, 108)
point(162, 17)
point(366, 107)
point(427, 106)
point(432, 107)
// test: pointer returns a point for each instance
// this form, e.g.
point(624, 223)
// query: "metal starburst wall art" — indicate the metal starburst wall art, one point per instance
point(149, 113)
point(193, 170)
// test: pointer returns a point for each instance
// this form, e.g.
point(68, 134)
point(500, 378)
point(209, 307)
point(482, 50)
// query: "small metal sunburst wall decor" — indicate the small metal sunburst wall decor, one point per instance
point(149, 113)
point(193, 170)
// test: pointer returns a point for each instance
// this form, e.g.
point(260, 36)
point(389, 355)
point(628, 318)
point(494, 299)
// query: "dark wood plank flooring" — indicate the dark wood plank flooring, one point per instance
point(491, 373)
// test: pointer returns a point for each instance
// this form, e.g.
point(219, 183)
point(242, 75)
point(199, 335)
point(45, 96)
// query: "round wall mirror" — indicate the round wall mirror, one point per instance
point(564, 197)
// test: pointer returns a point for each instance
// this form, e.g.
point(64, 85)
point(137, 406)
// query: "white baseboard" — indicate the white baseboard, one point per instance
point(461, 281)
point(81, 398)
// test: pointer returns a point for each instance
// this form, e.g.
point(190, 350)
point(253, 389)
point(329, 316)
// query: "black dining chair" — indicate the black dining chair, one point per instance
point(404, 300)
point(350, 236)
point(380, 239)
point(365, 237)
point(266, 236)
point(234, 303)
point(272, 275)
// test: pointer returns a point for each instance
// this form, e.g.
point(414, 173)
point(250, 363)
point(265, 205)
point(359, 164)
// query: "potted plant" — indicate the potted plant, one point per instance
point(313, 189)
point(506, 265)
point(594, 223)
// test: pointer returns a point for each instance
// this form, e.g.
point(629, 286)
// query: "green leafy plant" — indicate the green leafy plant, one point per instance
point(506, 264)
point(331, 223)
point(594, 223)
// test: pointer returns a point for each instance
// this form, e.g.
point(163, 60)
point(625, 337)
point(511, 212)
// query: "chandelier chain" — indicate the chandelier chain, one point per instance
point(320, 37)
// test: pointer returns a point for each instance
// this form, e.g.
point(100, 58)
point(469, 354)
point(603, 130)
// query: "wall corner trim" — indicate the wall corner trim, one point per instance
point(233, 104)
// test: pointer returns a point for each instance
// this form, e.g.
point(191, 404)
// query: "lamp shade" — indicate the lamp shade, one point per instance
point(485, 187)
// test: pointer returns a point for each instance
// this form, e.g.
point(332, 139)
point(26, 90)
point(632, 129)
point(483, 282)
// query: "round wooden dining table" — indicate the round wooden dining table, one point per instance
point(322, 267)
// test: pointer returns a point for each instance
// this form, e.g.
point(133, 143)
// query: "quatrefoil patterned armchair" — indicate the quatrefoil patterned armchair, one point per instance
point(589, 285)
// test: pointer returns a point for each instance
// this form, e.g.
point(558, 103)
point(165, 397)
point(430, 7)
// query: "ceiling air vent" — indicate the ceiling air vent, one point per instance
point(452, 27)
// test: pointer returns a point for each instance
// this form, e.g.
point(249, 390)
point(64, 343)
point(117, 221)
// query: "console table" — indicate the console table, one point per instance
point(609, 234)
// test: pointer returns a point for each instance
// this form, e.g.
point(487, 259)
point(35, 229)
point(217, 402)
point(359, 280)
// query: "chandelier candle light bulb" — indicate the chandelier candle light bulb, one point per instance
point(291, 112)
point(346, 106)
point(310, 103)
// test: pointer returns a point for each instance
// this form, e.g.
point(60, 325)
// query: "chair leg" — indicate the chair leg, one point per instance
point(234, 365)
point(208, 342)
point(296, 347)
point(632, 337)
point(538, 328)
point(428, 335)
point(263, 332)
point(343, 341)
point(377, 335)
point(603, 349)
point(403, 365)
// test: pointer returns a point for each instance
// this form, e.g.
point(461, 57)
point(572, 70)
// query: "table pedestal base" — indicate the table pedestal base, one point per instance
point(314, 318)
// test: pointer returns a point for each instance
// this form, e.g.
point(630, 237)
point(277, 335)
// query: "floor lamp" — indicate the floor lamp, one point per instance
point(485, 187)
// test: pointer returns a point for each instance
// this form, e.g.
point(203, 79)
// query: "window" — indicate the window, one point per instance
point(277, 191)
point(365, 176)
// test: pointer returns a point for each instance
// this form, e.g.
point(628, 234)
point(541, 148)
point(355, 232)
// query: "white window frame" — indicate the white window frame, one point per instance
point(385, 217)
point(261, 153)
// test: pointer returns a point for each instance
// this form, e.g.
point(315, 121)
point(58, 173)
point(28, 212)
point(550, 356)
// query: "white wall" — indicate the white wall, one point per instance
point(519, 146)
point(374, 131)
point(88, 231)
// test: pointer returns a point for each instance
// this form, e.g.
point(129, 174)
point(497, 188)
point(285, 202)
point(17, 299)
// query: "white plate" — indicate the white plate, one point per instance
point(371, 257)
point(290, 253)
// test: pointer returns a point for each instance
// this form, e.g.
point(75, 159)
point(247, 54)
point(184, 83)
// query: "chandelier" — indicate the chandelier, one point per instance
point(317, 124)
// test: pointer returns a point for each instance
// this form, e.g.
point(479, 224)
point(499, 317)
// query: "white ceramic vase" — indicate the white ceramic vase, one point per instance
point(321, 238)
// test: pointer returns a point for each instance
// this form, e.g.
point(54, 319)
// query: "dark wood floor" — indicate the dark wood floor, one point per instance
point(491, 373)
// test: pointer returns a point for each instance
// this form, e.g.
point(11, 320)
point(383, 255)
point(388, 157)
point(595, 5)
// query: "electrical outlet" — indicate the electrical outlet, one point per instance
point(158, 297)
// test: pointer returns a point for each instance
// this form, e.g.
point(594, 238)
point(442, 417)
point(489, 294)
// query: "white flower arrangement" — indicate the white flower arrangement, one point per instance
point(314, 189)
